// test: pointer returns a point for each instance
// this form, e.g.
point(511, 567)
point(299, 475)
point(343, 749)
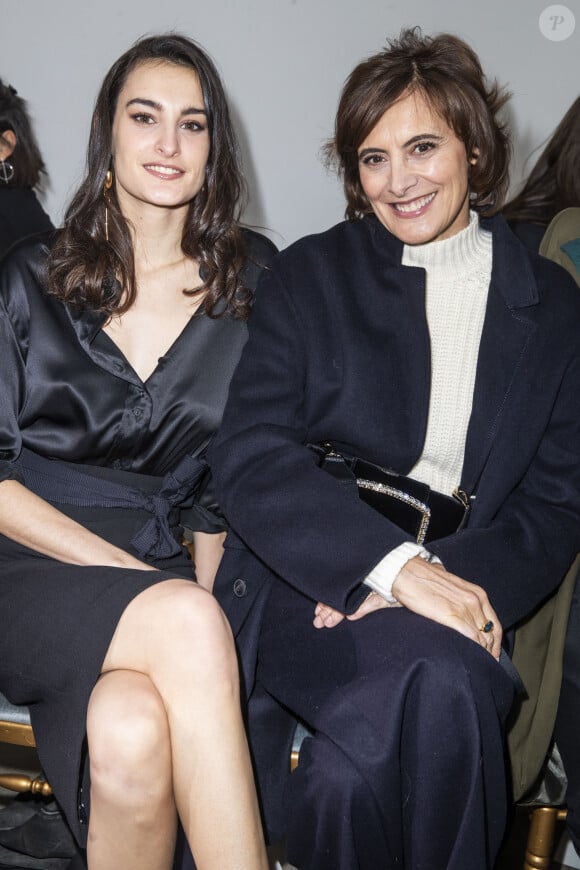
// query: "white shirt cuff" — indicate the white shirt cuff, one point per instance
point(384, 574)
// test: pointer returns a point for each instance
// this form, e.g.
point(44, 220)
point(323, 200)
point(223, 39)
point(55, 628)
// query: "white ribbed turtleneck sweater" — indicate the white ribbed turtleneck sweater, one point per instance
point(458, 272)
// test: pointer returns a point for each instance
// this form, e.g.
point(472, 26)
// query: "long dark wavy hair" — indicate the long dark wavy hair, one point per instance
point(554, 182)
point(26, 159)
point(86, 269)
point(447, 73)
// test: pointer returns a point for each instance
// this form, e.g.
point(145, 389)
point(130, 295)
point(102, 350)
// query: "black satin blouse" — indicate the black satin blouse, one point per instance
point(67, 392)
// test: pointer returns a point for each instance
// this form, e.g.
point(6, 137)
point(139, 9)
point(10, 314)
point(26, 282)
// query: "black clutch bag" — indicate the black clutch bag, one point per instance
point(419, 510)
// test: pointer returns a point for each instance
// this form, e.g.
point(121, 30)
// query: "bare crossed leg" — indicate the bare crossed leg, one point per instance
point(166, 737)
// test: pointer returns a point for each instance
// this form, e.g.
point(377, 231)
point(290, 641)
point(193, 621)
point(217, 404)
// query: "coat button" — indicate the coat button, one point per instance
point(240, 588)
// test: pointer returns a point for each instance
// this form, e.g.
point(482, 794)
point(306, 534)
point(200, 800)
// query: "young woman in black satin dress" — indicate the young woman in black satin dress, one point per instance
point(119, 340)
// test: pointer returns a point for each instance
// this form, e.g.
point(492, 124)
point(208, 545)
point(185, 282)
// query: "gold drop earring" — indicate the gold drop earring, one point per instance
point(106, 188)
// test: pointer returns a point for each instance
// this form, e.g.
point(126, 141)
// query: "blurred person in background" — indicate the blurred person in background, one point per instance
point(545, 216)
point(22, 172)
point(552, 185)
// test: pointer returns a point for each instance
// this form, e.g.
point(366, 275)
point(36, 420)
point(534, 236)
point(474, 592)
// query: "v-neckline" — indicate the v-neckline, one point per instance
point(177, 340)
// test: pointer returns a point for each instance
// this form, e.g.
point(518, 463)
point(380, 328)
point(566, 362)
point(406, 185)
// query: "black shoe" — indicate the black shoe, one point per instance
point(34, 834)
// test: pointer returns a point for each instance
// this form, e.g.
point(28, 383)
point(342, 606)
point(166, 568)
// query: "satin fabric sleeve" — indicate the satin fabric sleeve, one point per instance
point(205, 514)
point(13, 344)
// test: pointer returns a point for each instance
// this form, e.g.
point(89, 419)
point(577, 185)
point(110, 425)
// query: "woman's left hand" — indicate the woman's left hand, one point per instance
point(326, 616)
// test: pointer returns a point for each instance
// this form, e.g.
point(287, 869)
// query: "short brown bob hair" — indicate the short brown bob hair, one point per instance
point(447, 73)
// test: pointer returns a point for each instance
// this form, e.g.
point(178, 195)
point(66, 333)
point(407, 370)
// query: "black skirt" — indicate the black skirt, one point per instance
point(56, 624)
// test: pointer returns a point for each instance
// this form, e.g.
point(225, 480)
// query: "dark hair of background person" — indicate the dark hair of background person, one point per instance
point(29, 168)
point(554, 182)
point(447, 73)
point(87, 270)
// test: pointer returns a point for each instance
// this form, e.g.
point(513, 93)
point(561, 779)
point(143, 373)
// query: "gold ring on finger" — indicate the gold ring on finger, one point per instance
point(487, 626)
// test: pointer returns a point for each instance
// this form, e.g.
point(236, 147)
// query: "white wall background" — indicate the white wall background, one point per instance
point(283, 62)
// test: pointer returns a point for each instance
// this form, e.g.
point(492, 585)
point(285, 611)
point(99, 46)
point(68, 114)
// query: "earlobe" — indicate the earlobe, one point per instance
point(474, 156)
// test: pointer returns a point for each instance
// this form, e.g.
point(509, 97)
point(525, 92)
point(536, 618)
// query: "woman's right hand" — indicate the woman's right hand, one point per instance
point(33, 522)
point(428, 589)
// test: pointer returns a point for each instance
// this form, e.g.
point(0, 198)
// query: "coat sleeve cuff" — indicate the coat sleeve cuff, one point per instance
point(384, 574)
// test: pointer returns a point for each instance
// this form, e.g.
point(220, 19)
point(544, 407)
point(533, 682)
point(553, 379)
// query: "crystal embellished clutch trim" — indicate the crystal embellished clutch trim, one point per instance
point(384, 489)
point(414, 507)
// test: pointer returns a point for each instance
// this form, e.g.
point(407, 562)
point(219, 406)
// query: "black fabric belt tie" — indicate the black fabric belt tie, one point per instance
point(61, 483)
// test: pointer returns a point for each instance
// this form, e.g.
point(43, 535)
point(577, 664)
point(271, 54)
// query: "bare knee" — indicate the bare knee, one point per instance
point(128, 739)
point(177, 634)
point(199, 620)
point(192, 635)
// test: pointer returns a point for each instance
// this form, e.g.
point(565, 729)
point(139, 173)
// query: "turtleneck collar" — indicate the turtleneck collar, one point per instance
point(466, 247)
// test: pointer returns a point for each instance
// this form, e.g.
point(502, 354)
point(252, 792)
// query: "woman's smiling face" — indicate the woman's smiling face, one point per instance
point(160, 138)
point(414, 171)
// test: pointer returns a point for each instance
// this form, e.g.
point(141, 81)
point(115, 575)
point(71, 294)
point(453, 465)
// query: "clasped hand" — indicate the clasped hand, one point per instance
point(431, 591)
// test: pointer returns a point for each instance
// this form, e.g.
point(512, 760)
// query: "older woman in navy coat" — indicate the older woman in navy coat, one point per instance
point(421, 336)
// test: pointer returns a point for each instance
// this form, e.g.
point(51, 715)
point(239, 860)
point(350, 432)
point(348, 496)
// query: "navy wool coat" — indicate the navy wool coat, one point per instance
point(339, 350)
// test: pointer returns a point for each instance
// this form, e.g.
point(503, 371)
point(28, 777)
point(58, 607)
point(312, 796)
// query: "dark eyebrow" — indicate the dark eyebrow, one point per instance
point(192, 110)
point(421, 138)
point(412, 141)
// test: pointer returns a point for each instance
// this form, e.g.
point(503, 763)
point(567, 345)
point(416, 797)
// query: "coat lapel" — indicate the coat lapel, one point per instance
point(506, 341)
